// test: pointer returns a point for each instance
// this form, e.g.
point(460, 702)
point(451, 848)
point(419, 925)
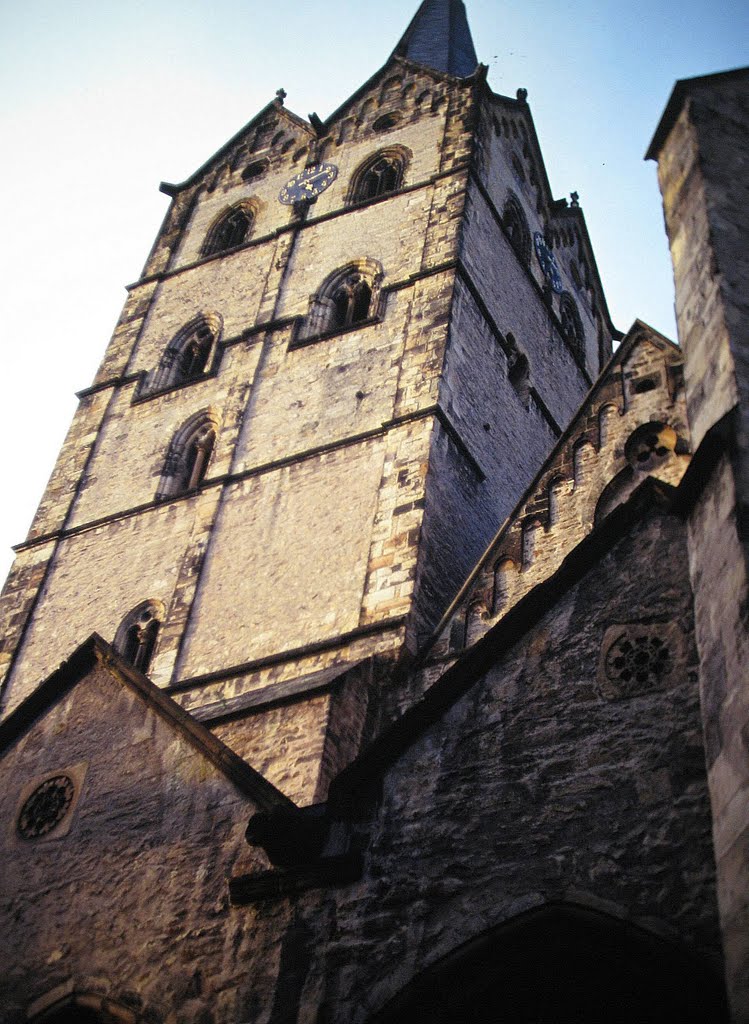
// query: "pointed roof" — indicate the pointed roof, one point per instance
point(439, 38)
point(97, 652)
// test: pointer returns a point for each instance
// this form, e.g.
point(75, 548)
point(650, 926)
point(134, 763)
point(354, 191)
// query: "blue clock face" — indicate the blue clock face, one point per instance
point(548, 263)
point(308, 184)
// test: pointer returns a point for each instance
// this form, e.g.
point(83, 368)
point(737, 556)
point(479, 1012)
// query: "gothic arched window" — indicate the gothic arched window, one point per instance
point(351, 302)
point(347, 298)
point(516, 228)
point(188, 456)
point(138, 632)
point(230, 230)
point(187, 355)
point(378, 176)
point(572, 326)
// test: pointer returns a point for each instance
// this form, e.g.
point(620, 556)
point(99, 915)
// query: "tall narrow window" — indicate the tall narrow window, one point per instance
point(351, 302)
point(379, 175)
point(516, 228)
point(230, 230)
point(572, 327)
point(188, 457)
point(137, 634)
point(197, 457)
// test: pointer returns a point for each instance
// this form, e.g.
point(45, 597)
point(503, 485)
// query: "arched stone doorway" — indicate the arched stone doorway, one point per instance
point(563, 964)
point(86, 1008)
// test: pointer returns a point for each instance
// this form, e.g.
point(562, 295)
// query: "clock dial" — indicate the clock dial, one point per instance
point(548, 263)
point(308, 184)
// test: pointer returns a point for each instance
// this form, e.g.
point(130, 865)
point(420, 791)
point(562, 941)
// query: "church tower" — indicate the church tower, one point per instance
point(352, 346)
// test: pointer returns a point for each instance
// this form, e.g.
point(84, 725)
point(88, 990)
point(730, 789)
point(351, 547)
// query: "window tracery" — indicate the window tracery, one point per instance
point(137, 634)
point(186, 357)
point(572, 327)
point(230, 230)
point(516, 226)
point(378, 176)
point(347, 298)
point(188, 457)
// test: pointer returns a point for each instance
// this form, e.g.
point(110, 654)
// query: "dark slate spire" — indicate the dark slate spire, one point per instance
point(439, 38)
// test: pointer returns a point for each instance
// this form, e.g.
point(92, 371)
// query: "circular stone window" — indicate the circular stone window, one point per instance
point(46, 807)
point(650, 445)
point(637, 663)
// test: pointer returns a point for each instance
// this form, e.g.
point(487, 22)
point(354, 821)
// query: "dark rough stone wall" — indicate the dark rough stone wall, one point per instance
point(543, 783)
point(702, 148)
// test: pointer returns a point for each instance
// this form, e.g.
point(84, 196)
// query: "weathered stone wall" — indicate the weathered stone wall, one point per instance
point(126, 562)
point(552, 779)
point(702, 150)
point(130, 902)
point(576, 790)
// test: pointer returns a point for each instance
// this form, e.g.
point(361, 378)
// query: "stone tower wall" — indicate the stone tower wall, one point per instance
point(356, 476)
point(702, 147)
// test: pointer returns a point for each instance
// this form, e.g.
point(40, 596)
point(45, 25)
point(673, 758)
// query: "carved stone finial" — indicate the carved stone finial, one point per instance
point(575, 198)
point(281, 94)
point(522, 95)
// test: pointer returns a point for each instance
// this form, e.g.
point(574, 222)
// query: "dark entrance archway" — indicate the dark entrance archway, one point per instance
point(87, 1008)
point(563, 964)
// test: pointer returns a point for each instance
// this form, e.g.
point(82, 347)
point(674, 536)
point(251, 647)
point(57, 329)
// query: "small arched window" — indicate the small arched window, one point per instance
point(572, 326)
point(378, 176)
point(188, 457)
point(516, 227)
point(347, 298)
point(138, 632)
point(186, 357)
point(230, 230)
point(351, 302)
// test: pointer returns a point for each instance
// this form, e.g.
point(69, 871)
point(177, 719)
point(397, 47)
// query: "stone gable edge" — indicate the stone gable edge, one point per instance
point(680, 93)
point(295, 120)
point(559, 211)
point(96, 651)
point(362, 777)
point(639, 332)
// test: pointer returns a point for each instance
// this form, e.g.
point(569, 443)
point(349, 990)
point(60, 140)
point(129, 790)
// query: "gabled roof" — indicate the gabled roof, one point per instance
point(557, 541)
point(683, 89)
point(439, 38)
point(275, 107)
point(97, 651)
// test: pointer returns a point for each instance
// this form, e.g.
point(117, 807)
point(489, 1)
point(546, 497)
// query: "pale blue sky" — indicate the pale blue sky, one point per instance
point(99, 101)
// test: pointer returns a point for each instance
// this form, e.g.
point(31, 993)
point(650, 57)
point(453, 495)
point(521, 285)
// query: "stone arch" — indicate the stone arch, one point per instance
point(531, 531)
point(557, 486)
point(138, 633)
point(582, 459)
point(475, 621)
point(347, 297)
point(189, 455)
point(572, 325)
point(606, 415)
point(380, 174)
point(563, 961)
point(231, 228)
point(188, 353)
point(68, 1005)
point(505, 572)
point(516, 228)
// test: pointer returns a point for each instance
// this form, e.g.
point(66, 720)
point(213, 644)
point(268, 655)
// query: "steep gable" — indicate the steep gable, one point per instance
point(110, 793)
point(631, 426)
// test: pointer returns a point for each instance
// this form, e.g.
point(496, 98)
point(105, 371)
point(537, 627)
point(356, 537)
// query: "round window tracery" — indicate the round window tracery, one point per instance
point(638, 662)
point(650, 445)
point(46, 807)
